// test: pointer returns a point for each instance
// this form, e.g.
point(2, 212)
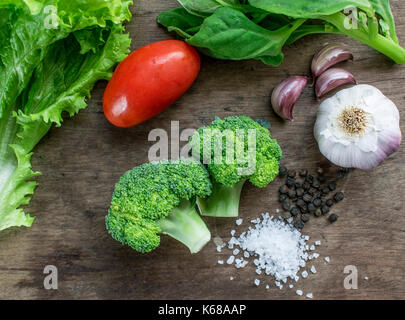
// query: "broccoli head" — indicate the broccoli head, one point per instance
point(236, 149)
point(159, 198)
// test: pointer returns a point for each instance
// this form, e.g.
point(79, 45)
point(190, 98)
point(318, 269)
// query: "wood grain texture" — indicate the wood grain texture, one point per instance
point(82, 160)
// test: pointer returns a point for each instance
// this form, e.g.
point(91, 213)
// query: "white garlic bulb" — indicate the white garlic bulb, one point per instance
point(358, 128)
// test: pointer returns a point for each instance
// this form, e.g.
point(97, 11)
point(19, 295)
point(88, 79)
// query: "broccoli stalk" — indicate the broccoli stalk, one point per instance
point(185, 225)
point(223, 202)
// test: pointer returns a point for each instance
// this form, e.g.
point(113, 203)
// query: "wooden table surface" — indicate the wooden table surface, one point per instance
point(82, 160)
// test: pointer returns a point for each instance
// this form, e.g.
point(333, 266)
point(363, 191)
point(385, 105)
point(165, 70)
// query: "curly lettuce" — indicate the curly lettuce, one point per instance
point(52, 52)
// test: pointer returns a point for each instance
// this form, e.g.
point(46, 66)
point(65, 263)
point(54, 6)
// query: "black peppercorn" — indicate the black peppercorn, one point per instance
point(300, 192)
point(317, 202)
point(305, 218)
point(282, 197)
point(325, 191)
point(297, 185)
point(311, 208)
point(286, 205)
point(283, 189)
point(309, 179)
point(290, 182)
point(292, 173)
point(303, 173)
point(300, 203)
point(299, 224)
point(294, 211)
point(321, 178)
point(304, 209)
point(333, 218)
point(283, 171)
point(325, 209)
point(292, 194)
point(332, 186)
point(316, 183)
point(306, 186)
point(307, 198)
point(339, 196)
point(341, 174)
point(329, 202)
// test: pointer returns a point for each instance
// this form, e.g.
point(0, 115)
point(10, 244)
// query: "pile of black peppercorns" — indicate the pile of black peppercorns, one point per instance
point(304, 195)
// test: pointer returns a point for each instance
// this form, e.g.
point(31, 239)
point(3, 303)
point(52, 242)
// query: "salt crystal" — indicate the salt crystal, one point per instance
point(312, 248)
point(231, 278)
point(365, 278)
point(313, 270)
point(280, 250)
point(299, 292)
point(309, 295)
point(233, 232)
point(220, 261)
point(230, 260)
point(267, 286)
point(304, 274)
point(327, 259)
point(291, 286)
point(316, 255)
point(257, 282)
point(219, 248)
point(318, 243)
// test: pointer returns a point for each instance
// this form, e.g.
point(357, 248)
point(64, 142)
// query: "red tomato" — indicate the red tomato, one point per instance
point(150, 80)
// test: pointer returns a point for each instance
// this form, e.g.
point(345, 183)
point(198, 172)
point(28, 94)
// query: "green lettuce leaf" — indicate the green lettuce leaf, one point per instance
point(45, 72)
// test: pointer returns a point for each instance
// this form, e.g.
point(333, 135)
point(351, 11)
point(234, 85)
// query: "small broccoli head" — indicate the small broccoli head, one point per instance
point(232, 134)
point(147, 194)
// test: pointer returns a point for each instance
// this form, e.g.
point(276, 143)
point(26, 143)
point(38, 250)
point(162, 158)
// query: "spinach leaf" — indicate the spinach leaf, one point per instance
point(309, 8)
point(180, 21)
point(229, 34)
point(204, 8)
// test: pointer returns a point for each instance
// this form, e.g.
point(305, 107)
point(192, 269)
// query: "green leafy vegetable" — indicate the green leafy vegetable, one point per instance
point(46, 70)
point(258, 29)
point(309, 8)
point(383, 8)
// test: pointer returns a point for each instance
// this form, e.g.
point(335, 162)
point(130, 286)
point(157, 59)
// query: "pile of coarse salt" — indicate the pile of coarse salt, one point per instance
point(278, 249)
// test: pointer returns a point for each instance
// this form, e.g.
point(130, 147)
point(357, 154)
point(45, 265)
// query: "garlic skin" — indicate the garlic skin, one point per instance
point(329, 56)
point(332, 79)
point(358, 128)
point(286, 94)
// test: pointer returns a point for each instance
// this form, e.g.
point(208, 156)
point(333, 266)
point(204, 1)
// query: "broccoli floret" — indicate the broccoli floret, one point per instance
point(232, 134)
point(159, 198)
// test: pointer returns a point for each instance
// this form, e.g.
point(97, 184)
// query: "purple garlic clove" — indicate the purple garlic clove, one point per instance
point(328, 57)
point(331, 79)
point(286, 94)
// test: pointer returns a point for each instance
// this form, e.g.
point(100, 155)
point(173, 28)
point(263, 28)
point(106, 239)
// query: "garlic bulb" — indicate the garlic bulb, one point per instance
point(358, 128)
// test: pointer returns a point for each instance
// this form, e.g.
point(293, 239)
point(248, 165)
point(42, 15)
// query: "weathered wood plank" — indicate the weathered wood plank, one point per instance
point(82, 160)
